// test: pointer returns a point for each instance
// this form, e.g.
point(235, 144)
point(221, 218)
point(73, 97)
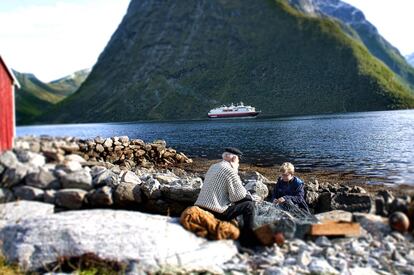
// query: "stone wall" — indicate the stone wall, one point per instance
point(118, 150)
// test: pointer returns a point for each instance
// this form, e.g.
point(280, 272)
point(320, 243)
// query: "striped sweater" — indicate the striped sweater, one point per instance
point(221, 187)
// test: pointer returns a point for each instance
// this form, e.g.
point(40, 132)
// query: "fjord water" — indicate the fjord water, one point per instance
point(378, 146)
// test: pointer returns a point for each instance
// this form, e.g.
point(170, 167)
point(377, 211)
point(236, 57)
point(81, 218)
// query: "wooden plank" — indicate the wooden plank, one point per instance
point(335, 229)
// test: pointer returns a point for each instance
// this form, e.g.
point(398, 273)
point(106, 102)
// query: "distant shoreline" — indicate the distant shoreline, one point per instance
point(260, 117)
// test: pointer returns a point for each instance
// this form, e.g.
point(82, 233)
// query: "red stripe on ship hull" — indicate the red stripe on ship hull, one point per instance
point(234, 115)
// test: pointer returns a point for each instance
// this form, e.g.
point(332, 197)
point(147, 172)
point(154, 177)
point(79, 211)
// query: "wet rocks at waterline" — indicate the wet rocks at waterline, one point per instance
point(73, 174)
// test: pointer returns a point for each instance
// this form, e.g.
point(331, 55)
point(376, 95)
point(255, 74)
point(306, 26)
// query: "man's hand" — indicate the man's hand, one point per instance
point(279, 200)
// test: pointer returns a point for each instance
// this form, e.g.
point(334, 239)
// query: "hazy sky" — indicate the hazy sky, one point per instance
point(394, 20)
point(53, 38)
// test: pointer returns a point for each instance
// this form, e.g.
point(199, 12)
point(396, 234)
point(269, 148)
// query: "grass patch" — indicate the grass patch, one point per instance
point(9, 269)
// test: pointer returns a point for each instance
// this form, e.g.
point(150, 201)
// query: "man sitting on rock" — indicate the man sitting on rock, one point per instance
point(289, 187)
point(224, 195)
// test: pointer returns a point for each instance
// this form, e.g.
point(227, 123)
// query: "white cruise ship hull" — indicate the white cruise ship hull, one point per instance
point(233, 114)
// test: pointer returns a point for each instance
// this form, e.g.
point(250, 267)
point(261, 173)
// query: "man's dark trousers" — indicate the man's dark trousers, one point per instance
point(245, 208)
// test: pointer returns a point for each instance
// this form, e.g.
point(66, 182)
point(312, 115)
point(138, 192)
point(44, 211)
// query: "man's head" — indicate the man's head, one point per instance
point(232, 154)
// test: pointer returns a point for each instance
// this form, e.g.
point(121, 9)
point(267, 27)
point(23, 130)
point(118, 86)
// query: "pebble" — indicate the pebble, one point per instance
point(391, 254)
point(304, 258)
point(321, 266)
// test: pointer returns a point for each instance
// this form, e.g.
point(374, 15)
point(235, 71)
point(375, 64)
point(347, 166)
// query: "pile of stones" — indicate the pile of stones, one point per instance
point(118, 150)
point(74, 183)
point(378, 250)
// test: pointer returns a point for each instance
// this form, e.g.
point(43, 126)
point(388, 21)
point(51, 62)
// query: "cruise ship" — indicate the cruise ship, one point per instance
point(238, 110)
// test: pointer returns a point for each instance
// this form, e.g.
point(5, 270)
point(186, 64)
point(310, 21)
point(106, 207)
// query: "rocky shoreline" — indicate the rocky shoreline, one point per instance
point(201, 165)
point(118, 174)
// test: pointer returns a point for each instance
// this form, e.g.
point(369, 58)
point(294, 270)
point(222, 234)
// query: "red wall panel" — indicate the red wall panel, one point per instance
point(6, 109)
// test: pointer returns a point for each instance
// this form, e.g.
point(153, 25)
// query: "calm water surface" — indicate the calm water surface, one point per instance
point(376, 145)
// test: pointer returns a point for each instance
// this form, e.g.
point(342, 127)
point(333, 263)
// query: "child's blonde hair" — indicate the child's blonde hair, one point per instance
point(287, 167)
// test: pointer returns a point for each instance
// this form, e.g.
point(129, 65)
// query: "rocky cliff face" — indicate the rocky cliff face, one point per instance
point(177, 60)
point(367, 32)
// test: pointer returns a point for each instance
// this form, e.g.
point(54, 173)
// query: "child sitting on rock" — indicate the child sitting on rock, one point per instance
point(289, 187)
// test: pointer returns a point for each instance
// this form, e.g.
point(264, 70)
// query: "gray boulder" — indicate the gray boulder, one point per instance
point(81, 179)
point(254, 176)
point(14, 175)
point(43, 179)
point(107, 143)
point(127, 194)
point(104, 177)
point(321, 266)
point(311, 199)
point(6, 195)
point(100, 148)
point(387, 196)
point(151, 189)
point(34, 159)
point(324, 202)
point(129, 177)
point(28, 193)
point(70, 198)
point(180, 191)
point(375, 225)
point(123, 139)
point(8, 159)
point(147, 243)
point(258, 188)
point(100, 197)
point(398, 204)
point(13, 212)
point(71, 166)
point(166, 178)
point(99, 140)
point(70, 147)
point(353, 202)
point(49, 196)
point(357, 189)
point(75, 157)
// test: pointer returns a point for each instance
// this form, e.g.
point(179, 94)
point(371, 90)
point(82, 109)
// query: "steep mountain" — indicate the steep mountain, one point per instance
point(70, 83)
point(35, 97)
point(368, 33)
point(178, 59)
point(410, 59)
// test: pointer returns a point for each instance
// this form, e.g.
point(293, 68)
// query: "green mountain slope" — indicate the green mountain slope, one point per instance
point(384, 51)
point(36, 97)
point(69, 84)
point(364, 31)
point(178, 59)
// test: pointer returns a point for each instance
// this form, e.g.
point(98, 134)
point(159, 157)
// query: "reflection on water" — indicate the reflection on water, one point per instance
point(373, 144)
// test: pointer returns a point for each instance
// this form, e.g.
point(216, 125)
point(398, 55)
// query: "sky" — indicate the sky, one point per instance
point(54, 38)
point(394, 20)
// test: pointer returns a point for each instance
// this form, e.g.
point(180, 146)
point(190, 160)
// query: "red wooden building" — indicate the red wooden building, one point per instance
point(7, 109)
